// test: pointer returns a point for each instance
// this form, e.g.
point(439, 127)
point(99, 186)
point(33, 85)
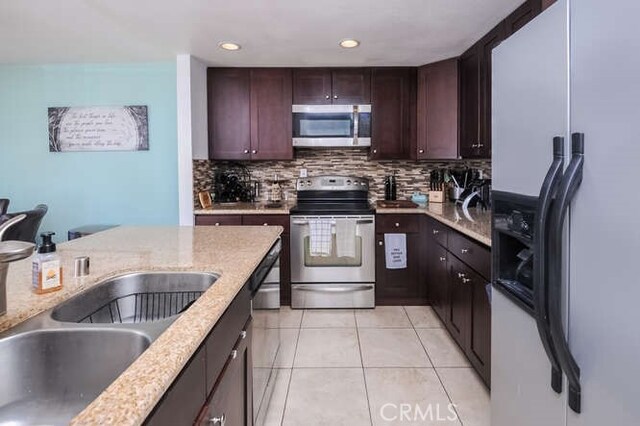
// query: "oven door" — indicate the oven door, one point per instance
point(332, 269)
point(323, 126)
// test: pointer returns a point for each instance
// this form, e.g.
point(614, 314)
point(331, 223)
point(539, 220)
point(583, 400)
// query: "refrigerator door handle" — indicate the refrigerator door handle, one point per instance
point(540, 276)
point(570, 183)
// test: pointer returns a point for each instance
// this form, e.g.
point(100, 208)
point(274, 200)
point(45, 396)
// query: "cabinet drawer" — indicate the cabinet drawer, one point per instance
point(225, 334)
point(472, 253)
point(218, 220)
point(267, 220)
point(438, 232)
point(397, 223)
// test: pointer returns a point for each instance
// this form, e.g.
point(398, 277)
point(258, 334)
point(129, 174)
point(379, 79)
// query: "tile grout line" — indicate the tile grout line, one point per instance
point(435, 370)
point(295, 352)
point(364, 376)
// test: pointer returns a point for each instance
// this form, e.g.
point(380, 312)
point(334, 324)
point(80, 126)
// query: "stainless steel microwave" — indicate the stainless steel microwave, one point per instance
point(329, 126)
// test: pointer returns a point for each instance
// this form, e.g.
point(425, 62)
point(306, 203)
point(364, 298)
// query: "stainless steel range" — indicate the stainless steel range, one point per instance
point(332, 244)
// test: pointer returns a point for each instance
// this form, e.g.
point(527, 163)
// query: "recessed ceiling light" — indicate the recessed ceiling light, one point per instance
point(227, 45)
point(349, 43)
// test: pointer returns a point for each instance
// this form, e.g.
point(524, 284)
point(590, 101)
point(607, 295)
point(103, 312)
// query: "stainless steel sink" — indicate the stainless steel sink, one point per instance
point(57, 362)
point(136, 298)
point(51, 375)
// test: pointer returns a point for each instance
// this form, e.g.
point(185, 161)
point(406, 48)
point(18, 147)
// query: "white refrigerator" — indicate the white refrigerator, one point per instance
point(566, 239)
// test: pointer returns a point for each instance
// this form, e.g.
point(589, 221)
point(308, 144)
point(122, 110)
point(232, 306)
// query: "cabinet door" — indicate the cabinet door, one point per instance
point(459, 315)
point(438, 278)
point(469, 102)
point(229, 113)
point(393, 113)
point(230, 402)
point(311, 86)
point(523, 14)
point(399, 286)
point(351, 86)
point(271, 114)
point(487, 44)
point(479, 350)
point(438, 110)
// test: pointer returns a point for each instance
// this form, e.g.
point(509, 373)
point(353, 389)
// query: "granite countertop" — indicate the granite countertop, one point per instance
point(476, 225)
point(231, 252)
point(245, 208)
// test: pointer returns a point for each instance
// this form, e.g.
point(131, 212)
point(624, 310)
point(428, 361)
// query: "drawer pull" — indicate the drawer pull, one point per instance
point(442, 258)
point(265, 224)
point(461, 275)
point(217, 224)
point(397, 225)
point(436, 232)
point(380, 243)
point(243, 334)
point(464, 251)
point(466, 280)
point(222, 420)
point(234, 354)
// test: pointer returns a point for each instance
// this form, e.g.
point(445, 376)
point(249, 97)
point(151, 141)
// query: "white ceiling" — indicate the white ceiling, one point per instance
point(271, 32)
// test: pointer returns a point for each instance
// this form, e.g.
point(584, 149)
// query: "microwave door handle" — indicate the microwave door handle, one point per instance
point(356, 124)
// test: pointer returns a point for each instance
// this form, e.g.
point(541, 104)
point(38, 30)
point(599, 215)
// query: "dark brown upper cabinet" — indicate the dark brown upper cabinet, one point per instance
point(522, 15)
point(469, 102)
point(437, 123)
point(229, 97)
point(318, 86)
point(271, 125)
point(393, 113)
point(250, 114)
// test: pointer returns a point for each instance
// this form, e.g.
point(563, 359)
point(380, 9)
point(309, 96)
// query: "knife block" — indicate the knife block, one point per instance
point(437, 196)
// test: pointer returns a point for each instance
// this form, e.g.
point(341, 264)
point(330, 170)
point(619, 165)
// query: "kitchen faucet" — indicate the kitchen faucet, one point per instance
point(10, 251)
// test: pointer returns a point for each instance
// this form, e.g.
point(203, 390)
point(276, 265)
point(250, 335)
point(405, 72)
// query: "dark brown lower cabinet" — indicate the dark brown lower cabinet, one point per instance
point(217, 378)
point(456, 269)
point(228, 403)
point(399, 286)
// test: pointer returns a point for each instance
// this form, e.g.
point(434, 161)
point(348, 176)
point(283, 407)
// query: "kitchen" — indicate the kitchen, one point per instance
point(385, 232)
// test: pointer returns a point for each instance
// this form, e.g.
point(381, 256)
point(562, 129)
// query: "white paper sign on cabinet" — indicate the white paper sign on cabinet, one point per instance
point(99, 128)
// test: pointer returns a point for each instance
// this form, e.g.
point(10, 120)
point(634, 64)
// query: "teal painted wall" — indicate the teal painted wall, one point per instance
point(134, 188)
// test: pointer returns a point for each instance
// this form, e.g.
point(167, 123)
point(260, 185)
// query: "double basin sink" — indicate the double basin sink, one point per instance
point(56, 363)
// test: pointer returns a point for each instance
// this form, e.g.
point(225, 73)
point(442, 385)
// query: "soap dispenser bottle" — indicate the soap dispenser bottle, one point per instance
point(47, 270)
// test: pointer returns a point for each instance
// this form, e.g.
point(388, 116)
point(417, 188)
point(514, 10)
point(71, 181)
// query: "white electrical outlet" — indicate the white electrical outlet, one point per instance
point(303, 173)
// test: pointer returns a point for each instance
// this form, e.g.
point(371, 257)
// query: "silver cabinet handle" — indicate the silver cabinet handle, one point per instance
point(466, 280)
point(234, 354)
point(380, 243)
point(246, 151)
point(327, 97)
point(375, 151)
point(335, 96)
point(397, 225)
point(217, 224)
point(442, 258)
point(243, 334)
point(421, 151)
point(464, 251)
point(436, 232)
point(265, 224)
point(254, 151)
point(218, 420)
point(461, 275)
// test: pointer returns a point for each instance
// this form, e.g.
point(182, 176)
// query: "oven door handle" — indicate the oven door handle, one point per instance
point(344, 289)
point(358, 222)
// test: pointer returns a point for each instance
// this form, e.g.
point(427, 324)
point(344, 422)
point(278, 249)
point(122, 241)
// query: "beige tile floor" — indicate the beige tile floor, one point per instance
point(385, 366)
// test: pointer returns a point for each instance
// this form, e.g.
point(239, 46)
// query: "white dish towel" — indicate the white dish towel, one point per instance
point(346, 237)
point(320, 237)
point(395, 251)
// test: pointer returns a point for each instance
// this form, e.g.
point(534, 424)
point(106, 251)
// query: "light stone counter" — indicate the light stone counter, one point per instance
point(231, 252)
point(244, 208)
point(476, 225)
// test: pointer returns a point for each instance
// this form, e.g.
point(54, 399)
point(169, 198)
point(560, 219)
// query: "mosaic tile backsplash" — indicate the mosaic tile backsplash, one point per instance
point(411, 176)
